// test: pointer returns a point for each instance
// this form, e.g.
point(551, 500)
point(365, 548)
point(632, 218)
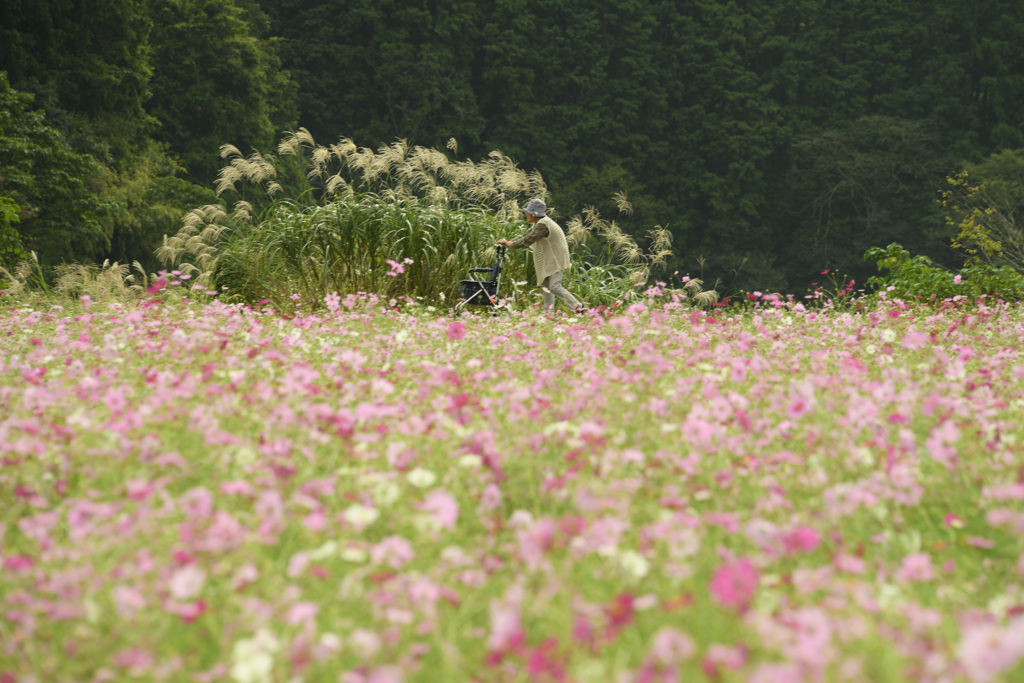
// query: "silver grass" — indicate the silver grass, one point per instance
point(319, 160)
point(243, 211)
point(169, 252)
point(576, 231)
point(14, 282)
point(661, 238)
point(438, 195)
point(212, 232)
point(344, 149)
point(289, 146)
point(227, 177)
point(537, 186)
point(264, 169)
point(706, 298)
point(336, 182)
point(624, 205)
point(227, 150)
point(305, 137)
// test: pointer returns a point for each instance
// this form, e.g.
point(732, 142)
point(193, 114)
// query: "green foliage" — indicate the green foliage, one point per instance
point(917, 278)
point(982, 203)
point(864, 183)
point(10, 242)
point(93, 55)
point(776, 139)
point(384, 68)
point(150, 200)
point(216, 79)
point(61, 217)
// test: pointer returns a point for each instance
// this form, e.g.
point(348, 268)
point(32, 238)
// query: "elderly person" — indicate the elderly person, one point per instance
point(550, 254)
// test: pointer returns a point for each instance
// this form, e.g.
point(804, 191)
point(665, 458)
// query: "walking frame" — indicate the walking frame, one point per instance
point(474, 292)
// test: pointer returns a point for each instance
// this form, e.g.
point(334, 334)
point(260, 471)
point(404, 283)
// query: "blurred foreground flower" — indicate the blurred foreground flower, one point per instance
point(253, 658)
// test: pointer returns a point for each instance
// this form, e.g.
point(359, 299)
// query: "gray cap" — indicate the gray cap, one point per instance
point(536, 207)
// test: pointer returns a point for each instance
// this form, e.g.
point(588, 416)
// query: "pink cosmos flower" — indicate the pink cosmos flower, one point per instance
point(136, 660)
point(443, 507)
point(394, 550)
point(386, 674)
point(941, 444)
point(583, 630)
point(244, 576)
point(916, 567)
point(988, 649)
point(225, 533)
point(140, 489)
point(18, 563)
point(189, 611)
point(721, 657)
point(798, 407)
point(128, 600)
point(802, 539)
point(506, 623)
point(456, 330)
point(302, 613)
point(535, 541)
point(915, 339)
point(197, 502)
point(364, 642)
point(954, 522)
point(490, 499)
point(671, 647)
point(620, 613)
point(297, 564)
point(187, 582)
point(734, 584)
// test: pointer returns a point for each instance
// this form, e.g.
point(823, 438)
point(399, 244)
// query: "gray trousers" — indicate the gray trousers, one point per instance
point(552, 285)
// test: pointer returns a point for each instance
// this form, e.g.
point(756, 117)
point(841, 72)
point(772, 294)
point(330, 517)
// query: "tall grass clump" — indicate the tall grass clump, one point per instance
point(404, 222)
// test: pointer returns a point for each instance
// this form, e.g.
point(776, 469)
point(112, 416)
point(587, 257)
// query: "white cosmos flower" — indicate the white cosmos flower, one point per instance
point(421, 478)
point(354, 555)
point(361, 515)
point(252, 659)
point(385, 493)
point(635, 563)
point(328, 549)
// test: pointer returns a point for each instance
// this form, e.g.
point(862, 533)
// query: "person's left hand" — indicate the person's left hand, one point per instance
point(503, 242)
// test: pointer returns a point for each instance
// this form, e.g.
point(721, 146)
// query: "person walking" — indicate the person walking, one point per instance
point(550, 254)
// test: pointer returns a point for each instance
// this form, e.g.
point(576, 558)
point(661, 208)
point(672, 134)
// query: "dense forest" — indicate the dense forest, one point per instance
point(774, 139)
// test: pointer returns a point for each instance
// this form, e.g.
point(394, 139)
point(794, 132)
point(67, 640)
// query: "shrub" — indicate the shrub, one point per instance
point(917, 278)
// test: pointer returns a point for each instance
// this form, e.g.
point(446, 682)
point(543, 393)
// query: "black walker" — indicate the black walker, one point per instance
point(474, 292)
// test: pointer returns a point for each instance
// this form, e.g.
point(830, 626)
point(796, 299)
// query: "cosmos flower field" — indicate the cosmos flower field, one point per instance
point(203, 492)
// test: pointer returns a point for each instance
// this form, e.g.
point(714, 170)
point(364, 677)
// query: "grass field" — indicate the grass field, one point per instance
point(202, 492)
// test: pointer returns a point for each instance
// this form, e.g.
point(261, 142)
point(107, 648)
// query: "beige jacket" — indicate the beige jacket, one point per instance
point(550, 248)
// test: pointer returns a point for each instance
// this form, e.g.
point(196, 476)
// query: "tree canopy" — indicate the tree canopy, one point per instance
point(773, 138)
